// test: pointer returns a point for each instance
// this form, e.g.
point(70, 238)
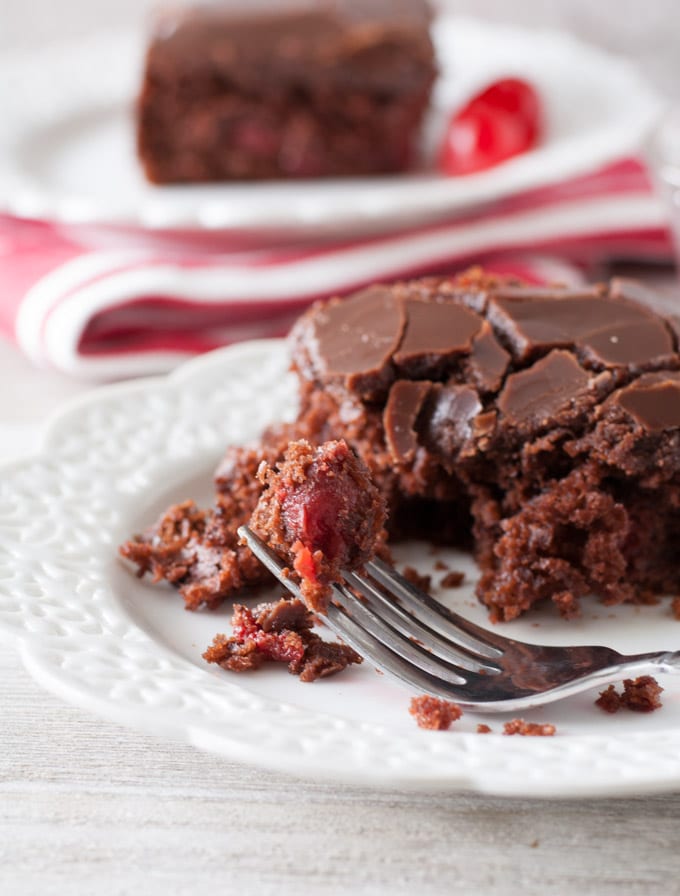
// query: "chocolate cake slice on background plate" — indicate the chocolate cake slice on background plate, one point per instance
point(273, 89)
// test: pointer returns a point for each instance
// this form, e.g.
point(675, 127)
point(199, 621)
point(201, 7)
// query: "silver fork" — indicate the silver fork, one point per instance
point(403, 631)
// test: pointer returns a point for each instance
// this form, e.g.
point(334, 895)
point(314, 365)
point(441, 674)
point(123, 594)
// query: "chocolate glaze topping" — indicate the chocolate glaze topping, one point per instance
point(353, 341)
point(435, 332)
point(454, 411)
point(356, 42)
point(653, 401)
point(606, 332)
point(488, 360)
point(401, 412)
point(544, 390)
point(524, 359)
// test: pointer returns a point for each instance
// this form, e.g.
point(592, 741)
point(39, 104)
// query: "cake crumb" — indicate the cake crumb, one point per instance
point(639, 695)
point(440, 566)
point(483, 729)
point(609, 700)
point(453, 579)
point(534, 844)
point(433, 713)
point(675, 608)
point(411, 574)
point(642, 694)
point(280, 631)
point(528, 729)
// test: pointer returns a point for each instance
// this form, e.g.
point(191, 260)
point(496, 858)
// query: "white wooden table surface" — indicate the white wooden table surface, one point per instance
point(90, 808)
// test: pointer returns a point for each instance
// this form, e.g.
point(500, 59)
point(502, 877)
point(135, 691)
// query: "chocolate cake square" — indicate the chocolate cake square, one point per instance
point(274, 89)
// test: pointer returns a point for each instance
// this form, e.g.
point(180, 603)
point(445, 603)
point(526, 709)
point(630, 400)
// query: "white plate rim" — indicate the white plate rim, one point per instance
point(368, 206)
point(76, 640)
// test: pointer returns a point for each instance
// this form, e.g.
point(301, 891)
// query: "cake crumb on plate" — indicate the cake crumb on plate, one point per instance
point(528, 729)
point(639, 694)
point(433, 713)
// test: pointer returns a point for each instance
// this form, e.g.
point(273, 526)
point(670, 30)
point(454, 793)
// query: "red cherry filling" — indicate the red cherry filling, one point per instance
point(319, 513)
point(322, 513)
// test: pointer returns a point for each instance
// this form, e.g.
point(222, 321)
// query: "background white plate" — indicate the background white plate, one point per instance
point(67, 142)
point(94, 634)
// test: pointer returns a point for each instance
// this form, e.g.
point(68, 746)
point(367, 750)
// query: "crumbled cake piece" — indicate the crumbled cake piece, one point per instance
point(433, 713)
point(528, 729)
point(279, 632)
point(483, 729)
point(609, 700)
point(440, 566)
point(419, 580)
point(640, 694)
point(320, 512)
point(453, 579)
point(198, 552)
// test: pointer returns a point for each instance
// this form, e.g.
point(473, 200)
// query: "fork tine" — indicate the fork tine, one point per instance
point(530, 674)
point(407, 648)
point(276, 566)
point(390, 608)
point(420, 605)
point(432, 613)
point(364, 641)
point(381, 656)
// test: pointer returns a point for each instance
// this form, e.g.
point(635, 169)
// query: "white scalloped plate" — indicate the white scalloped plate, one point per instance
point(67, 138)
point(92, 633)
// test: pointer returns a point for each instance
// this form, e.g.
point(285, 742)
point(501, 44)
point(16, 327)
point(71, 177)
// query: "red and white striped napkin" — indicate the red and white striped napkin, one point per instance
point(141, 305)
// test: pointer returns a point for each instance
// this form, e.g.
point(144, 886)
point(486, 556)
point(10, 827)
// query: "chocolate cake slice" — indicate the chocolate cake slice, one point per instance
point(274, 89)
point(541, 427)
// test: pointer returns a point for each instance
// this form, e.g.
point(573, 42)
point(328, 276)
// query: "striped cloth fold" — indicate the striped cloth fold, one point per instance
point(106, 309)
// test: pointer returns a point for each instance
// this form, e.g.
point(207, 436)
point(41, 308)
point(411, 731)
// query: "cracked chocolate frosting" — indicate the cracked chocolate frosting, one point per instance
point(525, 359)
point(517, 404)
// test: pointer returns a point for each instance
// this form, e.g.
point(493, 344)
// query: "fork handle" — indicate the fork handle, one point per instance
point(663, 661)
